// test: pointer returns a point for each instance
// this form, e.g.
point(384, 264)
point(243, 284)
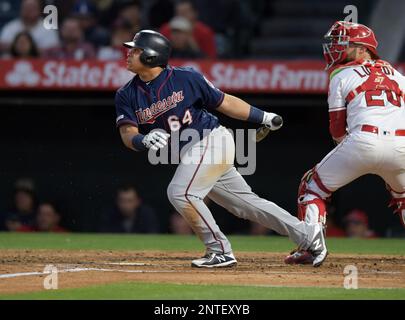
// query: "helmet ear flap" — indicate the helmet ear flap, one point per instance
point(146, 59)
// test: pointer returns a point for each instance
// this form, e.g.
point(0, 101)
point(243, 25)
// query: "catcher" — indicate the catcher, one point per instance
point(367, 122)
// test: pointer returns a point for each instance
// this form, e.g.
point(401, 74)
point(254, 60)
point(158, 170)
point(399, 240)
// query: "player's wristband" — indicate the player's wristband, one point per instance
point(137, 142)
point(255, 115)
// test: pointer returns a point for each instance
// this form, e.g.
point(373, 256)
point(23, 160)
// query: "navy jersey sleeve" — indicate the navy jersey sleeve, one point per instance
point(125, 115)
point(210, 95)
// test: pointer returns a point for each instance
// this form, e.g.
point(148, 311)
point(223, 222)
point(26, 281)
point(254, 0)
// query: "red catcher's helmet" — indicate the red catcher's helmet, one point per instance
point(343, 33)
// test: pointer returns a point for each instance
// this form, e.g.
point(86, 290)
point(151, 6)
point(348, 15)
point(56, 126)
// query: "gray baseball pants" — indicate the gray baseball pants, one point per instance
point(207, 169)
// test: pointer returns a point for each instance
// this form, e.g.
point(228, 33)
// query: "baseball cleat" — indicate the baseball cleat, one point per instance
point(299, 257)
point(215, 260)
point(318, 247)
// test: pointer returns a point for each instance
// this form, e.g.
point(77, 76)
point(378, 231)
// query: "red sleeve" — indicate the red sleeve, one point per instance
point(337, 123)
point(165, 30)
point(205, 39)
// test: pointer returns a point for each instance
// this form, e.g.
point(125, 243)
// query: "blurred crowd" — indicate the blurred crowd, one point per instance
point(96, 29)
point(29, 214)
point(220, 29)
point(128, 213)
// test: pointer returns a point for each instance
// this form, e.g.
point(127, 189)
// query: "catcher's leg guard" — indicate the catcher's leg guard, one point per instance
point(312, 210)
point(312, 196)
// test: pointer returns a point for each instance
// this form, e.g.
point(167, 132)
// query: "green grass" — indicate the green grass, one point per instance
point(186, 243)
point(153, 291)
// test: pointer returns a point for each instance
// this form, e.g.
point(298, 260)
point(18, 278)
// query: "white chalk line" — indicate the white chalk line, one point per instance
point(24, 274)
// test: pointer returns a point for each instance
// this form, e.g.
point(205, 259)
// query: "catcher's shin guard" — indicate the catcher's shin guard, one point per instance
point(311, 198)
point(312, 211)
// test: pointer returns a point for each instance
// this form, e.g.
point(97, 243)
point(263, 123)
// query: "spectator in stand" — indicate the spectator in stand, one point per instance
point(356, 222)
point(125, 26)
point(23, 46)
point(24, 205)
point(178, 225)
point(47, 220)
point(235, 28)
point(107, 10)
point(73, 45)
point(30, 20)
point(184, 45)
point(203, 34)
point(131, 12)
point(129, 215)
point(159, 13)
point(122, 31)
point(85, 11)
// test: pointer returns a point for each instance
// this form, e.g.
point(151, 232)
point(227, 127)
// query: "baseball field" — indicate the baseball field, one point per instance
point(105, 266)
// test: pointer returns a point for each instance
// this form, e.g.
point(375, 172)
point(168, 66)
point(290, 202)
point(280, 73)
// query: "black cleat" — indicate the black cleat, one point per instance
point(215, 260)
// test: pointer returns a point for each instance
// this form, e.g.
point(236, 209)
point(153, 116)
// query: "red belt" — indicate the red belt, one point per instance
point(374, 129)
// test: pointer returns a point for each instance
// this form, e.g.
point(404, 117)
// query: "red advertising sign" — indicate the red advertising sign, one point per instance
point(247, 76)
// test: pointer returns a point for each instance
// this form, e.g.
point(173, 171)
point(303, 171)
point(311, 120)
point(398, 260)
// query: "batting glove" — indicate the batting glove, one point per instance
point(272, 121)
point(156, 140)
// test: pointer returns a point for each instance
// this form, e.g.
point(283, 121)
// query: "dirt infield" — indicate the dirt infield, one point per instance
point(83, 268)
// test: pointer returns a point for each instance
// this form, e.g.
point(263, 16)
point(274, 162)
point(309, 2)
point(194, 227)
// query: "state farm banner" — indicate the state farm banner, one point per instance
point(62, 75)
point(246, 76)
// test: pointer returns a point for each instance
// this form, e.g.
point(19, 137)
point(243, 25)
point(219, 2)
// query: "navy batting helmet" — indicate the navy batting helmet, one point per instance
point(156, 48)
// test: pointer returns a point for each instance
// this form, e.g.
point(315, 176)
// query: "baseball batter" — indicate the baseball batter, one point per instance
point(367, 121)
point(161, 100)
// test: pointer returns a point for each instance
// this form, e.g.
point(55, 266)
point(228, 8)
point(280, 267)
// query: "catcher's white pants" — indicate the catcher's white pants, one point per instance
point(207, 170)
point(363, 153)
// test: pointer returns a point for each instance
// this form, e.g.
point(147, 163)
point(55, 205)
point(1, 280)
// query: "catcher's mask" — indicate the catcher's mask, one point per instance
point(341, 35)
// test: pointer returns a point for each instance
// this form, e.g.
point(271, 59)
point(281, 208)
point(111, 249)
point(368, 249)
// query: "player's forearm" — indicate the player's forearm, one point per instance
point(128, 134)
point(234, 107)
point(238, 109)
point(127, 140)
